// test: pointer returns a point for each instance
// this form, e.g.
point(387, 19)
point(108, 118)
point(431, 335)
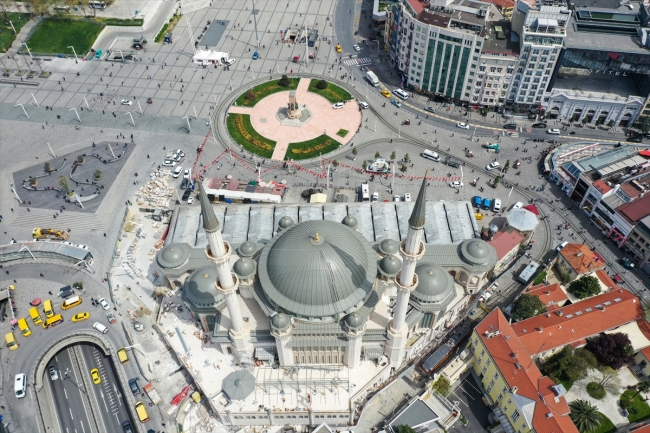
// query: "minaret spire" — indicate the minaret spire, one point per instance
point(419, 210)
point(210, 221)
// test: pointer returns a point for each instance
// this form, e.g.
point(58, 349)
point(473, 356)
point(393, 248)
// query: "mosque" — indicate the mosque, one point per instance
point(324, 292)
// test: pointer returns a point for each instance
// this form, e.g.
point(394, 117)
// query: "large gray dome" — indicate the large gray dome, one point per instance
point(389, 246)
point(318, 277)
point(173, 256)
point(435, 285)
point(390, 266)
point(200, 288)
point(476, 251)
point(244, 268)
point(248, 249)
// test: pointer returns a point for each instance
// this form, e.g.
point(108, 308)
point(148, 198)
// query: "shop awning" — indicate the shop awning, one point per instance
point(265, 353)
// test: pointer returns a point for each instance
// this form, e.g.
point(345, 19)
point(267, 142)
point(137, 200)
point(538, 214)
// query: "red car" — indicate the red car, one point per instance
point(111, 318)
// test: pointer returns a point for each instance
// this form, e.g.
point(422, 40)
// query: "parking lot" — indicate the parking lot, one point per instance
point(466, 391)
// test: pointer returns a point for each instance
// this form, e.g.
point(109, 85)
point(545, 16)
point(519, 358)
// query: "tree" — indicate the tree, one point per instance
point(584, 287)
point(321, 85)
point(645, 125)
point(404, 429)
point(610, 380)
point(611, 124)
point(612, 350)
point(250, 95)
point(569, 365)
point(485, 111)
point(64, 184)
point(516, 109)
point(33, 181)
point(97, 174)
point(354, 151)
point(364, 165)
point(565, 278)
point(407, 158)
point(496, 181)
point(377, 155)
point(48, 167)
point(527, 306)
point(441, 385)
point(584, 415)
point(335, 163)
point(584, 120)
point(643, 386)
point(506, 166)
point(403, 168)
point(393, 155)
point(284, 81)
point(80, 159)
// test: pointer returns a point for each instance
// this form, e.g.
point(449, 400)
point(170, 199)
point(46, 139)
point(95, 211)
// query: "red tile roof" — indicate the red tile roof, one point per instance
point(646, 353)
point(518, 369)
point(550, 295)
point(601, 186)
point(578, 321)
point(629, 189)
point(581, 258)
point(635, 210)
point(504, 242)
point(417, 6)
point(642, 429)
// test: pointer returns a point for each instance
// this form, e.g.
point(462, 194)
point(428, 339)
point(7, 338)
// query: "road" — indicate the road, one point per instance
point(69, 396)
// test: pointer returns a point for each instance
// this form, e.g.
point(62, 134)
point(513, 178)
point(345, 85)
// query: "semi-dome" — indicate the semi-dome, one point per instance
point(435, 285)
point(389, 246)
point(390, 266)
point(354, 321)
point(173, 256)
point(317, 270)
point(285, 222)
point(247, 249)
point(280, 321)
point(350, 221)
point(200, 288)
point(476, 251)
point(244, 268)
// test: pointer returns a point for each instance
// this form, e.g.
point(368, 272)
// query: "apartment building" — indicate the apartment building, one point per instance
point(638, 244)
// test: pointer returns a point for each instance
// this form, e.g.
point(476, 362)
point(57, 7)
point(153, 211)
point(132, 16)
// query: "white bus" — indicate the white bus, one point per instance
point(96, 5)
point(365, 192)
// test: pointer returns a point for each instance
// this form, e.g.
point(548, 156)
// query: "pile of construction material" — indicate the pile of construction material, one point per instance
point(157, 193)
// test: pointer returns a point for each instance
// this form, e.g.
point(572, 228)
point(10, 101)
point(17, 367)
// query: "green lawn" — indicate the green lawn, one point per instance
point(55, 35)
point(332, 92)
point(7, 35)
point(263, 90)
point(255, 141)
point(606, 426)
point(638, 408)
point(311, 148)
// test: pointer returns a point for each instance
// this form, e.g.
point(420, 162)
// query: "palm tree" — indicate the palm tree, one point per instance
point(584, 415)
point(643, 386)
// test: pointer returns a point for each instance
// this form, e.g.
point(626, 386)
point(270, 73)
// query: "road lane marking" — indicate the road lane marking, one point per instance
point(70, 409)
point(82, 426)
point(66, 393)
point(38, 423)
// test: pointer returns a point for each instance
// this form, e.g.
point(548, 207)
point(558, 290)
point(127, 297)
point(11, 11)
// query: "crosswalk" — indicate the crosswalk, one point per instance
point(359, 61)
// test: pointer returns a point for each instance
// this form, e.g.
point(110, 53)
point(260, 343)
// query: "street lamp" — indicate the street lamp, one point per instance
point(75, 53)
point(130, 115)
point(189, 129)
point(24, 111)
point(30, 53)
point(75, 112)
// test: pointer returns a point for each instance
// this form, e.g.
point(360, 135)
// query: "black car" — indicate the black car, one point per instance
point(126, 425)
point(184, 183)
point(510, 126)
point(133, 384)
point(539, 125)
point(186, 194)
point(635, 139)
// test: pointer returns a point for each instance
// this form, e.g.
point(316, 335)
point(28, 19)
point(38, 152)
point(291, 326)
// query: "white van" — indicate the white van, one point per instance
point(497, 205)
point(429, 154)
point(401, 93)
point(20, 383)
point(178, 171)
point(99, 327)
point(363, 105)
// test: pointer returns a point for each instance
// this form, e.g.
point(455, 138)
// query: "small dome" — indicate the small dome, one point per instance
point(285, 222)
point(354, 321)
point(350, 221)
point(248, 249)
point(390, 266)
point(476, 251)
point(280, 321)
point(244, 268)
point(173, 256)
point(389, 246)
point(435, 285)
point(200, 288)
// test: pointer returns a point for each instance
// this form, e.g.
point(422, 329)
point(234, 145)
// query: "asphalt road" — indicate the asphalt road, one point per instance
point(68, 394)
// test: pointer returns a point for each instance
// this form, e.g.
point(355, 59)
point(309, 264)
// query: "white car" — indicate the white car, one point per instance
point(126, 102)
point(177, 172)
point(375, 196)
point(186, 173)
point(99, 327)
point(169, 163)
point(562, 245)
point(104, 304)
point(177, 157)
point(456, 184)
point(407, 197)
point(493, 165)
point(430, 109)
point(54, 375)
point(356, 47)
point(553, 131)
point(230, 62)
point(462, 125)
point(518, 205)
point(180, 152)
point(338, 105)
point(363, 105)
point(396, 197)
point(83, 247)
point(190, 200)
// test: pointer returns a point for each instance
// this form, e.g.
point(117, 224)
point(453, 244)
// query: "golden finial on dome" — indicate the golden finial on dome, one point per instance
point(316, 237)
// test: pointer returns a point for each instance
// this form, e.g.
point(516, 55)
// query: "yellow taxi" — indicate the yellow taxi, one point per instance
point(338, 48)
point(386, 93)
point(79, 317)
point(94, 373)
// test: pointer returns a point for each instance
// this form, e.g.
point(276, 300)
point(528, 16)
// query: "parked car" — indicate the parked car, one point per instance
point(338, 105)
point(133, 384)
point(407, 197)
point(375, 196)
point(186, 194)
point(540, 125)
point(169, 163)
point(456, 184)
point(518, 205)
point(396, 197)
point(190, 200)
point(184, 183)
point(186, 173)
point(230, 62)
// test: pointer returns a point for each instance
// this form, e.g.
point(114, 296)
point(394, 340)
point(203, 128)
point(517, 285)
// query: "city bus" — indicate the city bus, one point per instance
point(365, 192)
point(22, 324)
point(36, 318)
point(47, 308)
point(10, 339)
point(53, 321)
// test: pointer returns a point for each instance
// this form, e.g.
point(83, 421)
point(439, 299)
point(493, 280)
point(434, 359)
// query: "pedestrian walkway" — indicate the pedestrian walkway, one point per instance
point(20, 38)
point(359, 61)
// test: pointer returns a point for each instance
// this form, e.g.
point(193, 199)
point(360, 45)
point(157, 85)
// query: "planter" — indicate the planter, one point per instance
point(98, 178)
point(33, 183)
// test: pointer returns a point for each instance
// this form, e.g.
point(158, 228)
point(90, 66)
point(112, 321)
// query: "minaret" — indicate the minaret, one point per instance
point(412, 250)
point(219, 251)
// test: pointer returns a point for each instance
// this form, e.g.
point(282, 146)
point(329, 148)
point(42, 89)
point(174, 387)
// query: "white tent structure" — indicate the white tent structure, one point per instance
point(522, 220)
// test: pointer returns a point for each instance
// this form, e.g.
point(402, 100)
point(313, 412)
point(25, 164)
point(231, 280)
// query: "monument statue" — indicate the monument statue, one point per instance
point(293, 110)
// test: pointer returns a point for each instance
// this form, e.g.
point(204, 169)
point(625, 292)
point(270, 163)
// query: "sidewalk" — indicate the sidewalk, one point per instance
point(20, 38)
